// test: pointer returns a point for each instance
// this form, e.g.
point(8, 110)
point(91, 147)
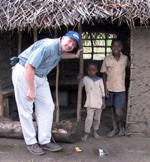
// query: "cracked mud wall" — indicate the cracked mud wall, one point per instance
point(138, 114)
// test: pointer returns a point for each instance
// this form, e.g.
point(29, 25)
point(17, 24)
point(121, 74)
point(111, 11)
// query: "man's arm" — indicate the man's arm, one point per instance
point(29, 74)
point(72, 55)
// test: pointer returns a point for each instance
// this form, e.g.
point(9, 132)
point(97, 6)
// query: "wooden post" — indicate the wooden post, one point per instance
point(57, 83)
point(1, 102)
point(91, 45)
point(57, 93)
point(129, 106)
point(35, 38)
point(19, 42)
point(35, 34)
point(4, 103)
point(79, 100)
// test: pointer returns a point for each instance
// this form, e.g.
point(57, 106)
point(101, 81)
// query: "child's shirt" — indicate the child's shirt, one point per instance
point(94, 92)
point(116, 71)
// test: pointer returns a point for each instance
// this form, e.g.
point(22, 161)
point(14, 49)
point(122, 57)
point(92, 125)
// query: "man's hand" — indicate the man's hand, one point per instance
point(72, 55)
point(31, 95)
point(79, 52)
point(29, 74)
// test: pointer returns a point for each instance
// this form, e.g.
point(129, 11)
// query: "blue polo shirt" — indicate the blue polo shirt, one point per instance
point(43, 55)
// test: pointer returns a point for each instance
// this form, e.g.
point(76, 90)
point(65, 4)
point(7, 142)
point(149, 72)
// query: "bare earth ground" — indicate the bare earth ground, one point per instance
point(120, 149)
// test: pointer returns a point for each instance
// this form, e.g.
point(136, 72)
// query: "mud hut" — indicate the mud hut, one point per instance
point(25, 21)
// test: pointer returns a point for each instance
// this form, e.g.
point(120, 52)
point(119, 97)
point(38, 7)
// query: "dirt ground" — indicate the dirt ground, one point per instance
point(120, 149)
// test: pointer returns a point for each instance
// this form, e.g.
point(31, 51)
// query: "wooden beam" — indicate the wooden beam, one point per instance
point(91, 46)
point(129, 106)
point(1, 102)
point(64, 132)
point(35, 35)
point(19, 42)
point(79, 100)
point(57, 83)
point(35, 38)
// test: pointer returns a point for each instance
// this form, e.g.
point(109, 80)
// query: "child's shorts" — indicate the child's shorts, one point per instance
point(117, 99)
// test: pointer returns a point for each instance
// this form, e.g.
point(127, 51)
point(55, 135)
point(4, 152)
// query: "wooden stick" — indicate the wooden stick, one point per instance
point(133, 133)
point(35, 34)
point(131, 83)
point(79, 100)
point(75, 25)
point(132, 95)
point(57, 96)
point(131, 54)
point(91, 45)
point(132, 122)
point(19, 42)
point(1, 102)
point(132, 79)
point(35, 37)
point(57, 81)
point(131, 104)
point(132, 67)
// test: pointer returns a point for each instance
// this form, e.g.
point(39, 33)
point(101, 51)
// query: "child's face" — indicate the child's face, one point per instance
point(92, 70)
point(116, 47)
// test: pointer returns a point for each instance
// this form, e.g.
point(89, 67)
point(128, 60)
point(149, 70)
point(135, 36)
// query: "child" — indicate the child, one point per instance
point(113, 69)
point(95, 99)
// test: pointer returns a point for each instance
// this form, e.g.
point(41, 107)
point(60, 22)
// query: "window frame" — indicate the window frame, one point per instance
point(102, 38)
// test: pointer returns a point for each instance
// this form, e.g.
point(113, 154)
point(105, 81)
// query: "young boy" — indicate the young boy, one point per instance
point(95, 99)
point(113, 69)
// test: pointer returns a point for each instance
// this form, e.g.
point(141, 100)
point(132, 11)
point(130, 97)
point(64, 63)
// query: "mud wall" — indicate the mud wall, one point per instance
point(8, 49)
point(138, 115)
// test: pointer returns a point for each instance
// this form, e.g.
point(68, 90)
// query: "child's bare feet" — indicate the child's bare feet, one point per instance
point(95, 134)
point(84, 138)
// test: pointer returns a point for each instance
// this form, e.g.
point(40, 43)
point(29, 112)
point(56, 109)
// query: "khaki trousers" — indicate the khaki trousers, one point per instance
point(92, 119)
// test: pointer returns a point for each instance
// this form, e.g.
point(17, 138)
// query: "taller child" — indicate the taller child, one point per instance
point(29, 78)
point(114, 69)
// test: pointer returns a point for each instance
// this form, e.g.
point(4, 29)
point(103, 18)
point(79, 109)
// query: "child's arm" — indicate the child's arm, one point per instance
point(103, 103)
point(105, 87)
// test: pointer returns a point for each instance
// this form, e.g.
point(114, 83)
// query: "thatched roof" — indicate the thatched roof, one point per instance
point(43, 14)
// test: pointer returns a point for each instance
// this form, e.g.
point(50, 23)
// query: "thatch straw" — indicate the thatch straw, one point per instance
point(22, 14)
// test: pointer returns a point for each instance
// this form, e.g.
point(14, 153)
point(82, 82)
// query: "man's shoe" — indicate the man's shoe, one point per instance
point(35, 149)
point(51, 147)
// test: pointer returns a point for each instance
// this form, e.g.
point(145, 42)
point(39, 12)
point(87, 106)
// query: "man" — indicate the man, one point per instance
point(29, 78)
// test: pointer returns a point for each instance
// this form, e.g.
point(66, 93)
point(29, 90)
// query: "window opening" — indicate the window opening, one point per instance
point(97, 45)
